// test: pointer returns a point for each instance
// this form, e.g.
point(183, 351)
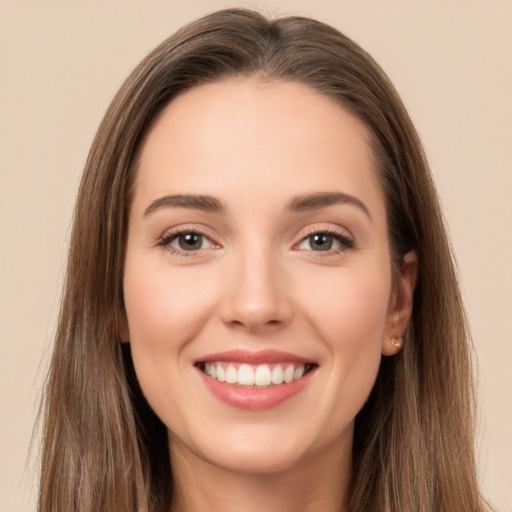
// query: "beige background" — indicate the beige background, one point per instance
point(60, 64)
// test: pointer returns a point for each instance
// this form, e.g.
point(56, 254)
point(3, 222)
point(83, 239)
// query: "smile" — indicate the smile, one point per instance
point(255, 380)
point(259, 376)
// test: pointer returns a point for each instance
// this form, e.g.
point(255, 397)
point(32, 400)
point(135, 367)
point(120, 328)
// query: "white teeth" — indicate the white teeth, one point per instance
point(288, 373)
point(277, 374)
point(299, 372)
point(262, 375)
point(221, 375)
point(231, 374)
point(246, 375)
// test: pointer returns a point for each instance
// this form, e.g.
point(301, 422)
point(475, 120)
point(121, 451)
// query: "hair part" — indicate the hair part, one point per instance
point(103, 447)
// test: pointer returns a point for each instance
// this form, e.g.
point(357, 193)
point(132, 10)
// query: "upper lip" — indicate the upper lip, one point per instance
point(254, 357)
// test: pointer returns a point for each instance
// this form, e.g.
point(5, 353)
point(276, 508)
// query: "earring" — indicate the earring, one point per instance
point(396, 342)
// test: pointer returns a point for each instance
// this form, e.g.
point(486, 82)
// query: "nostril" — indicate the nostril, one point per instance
point(255, 323)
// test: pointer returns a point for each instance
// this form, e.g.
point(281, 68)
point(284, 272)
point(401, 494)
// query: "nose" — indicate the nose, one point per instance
point(257, 294)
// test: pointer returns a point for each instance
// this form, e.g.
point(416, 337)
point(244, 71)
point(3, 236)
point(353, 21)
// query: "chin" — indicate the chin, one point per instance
point(265, 449)
point(244, 449)
point(257, 460)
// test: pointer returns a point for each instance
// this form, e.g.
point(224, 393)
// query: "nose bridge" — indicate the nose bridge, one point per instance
point(256, 295)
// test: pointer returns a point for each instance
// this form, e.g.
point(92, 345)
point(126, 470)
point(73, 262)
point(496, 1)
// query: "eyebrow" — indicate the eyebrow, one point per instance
point(196, 202)
point(302, 203)
point(319, 200)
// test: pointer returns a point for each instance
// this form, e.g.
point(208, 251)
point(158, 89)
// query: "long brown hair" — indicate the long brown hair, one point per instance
point(103, 447)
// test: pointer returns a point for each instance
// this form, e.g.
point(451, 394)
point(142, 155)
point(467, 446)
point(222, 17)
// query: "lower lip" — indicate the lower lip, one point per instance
point(252, 398)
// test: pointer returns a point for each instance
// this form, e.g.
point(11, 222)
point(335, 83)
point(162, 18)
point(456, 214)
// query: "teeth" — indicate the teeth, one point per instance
point(299, 372)
point(277, 375)
point(262, 375)
point(246, 375)
point(288, 373)
point(231, 374)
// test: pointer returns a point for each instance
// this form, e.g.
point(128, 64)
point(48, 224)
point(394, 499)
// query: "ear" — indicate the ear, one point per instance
point(400, 304)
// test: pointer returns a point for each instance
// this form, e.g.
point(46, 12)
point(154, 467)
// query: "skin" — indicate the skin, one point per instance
point(259, 282)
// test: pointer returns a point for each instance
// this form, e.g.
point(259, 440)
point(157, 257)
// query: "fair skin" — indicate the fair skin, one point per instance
point(289, 253)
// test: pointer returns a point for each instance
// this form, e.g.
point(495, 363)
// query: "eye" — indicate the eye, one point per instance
point(326, 241)
point(185, 241)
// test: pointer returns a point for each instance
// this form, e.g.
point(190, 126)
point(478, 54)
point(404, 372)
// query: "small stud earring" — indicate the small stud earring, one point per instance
point(396, 342)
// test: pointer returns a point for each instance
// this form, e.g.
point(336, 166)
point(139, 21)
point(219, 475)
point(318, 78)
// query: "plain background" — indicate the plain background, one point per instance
point(61, 63)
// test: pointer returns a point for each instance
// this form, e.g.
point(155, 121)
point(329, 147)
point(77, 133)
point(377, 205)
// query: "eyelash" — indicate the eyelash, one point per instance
point(165, 241)
point(341, 237)
point(346, 242)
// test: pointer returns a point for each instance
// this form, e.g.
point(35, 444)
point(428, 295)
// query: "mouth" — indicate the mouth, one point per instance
point(255, 380)
point(255, 376)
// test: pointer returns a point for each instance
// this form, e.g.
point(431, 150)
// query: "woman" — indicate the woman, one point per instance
point(261, 308)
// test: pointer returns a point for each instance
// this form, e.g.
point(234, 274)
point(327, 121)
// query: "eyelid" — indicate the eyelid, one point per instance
point(343, 236)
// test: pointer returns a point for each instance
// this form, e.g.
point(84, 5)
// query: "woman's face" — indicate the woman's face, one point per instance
point(258, 285)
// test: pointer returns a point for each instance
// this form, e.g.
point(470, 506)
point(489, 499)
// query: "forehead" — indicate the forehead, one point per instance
point(249, 137)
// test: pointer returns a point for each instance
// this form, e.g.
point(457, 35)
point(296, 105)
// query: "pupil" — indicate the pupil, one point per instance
point(190, 241)
point(321, 241)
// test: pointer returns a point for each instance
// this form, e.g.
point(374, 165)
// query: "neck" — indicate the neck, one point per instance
point(318, 483)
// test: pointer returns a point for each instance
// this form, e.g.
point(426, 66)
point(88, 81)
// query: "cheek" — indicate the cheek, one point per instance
point(165, 311)
point(164, 308)
point(354, 335)
point(349, 315)
point(350, 307)
point(346, 313)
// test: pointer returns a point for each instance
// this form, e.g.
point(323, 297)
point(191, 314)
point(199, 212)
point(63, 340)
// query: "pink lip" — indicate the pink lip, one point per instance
point(252, 398)
point(249, 357)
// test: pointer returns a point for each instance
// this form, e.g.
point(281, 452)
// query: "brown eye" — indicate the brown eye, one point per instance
point(324, 241)
point(190, 241)
point(320, 241)
point(187, 241)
